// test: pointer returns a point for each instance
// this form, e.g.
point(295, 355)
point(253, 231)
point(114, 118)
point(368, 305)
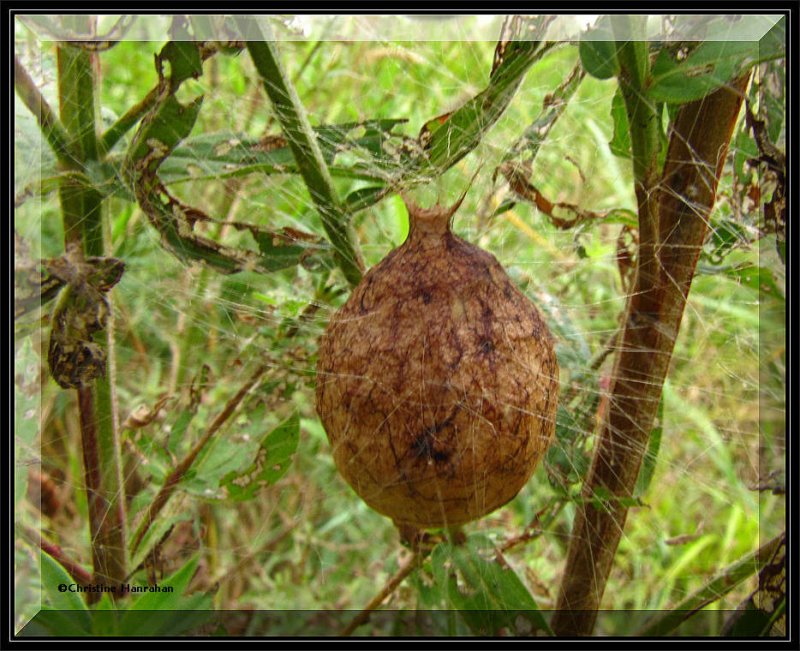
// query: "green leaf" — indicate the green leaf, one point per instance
point(174, 600)
point(505, 206)
point(567, 461)
point(277, 254)
point(620, 144)
point(156, 532)
point(58, 623)
point(177, 433)
point(271, 462)
point(194, 612)
point(363, 197)
point(296, 128)
point(711, 65)
point(727, 234)
point(773, 94)
point(224, 455)
point(757, 278)
point(490, 597)
point(651, 455)
point(773, 45)
point(54, 576)
point(751, 622)
point(598, 50)
point(162, 130)
point(164, 613)
point(184, 59)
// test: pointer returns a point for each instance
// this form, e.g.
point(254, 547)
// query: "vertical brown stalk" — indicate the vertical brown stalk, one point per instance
point(667, 259)
point(105, 540)
point(82, 208)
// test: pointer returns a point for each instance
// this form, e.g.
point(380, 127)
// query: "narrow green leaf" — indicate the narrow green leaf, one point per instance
point(58, 623)
point(195, 611)
point(773, 93)
point(665, 623)
point(364, 197)
point(651, 455)
point(620, 144)
point(177, 433)
point(156, 532)
point(165, 613)
point(175, 600)
point(505, 206)
point(295, 125)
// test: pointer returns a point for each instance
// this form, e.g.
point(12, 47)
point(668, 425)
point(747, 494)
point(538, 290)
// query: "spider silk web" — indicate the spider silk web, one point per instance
point(186, 335)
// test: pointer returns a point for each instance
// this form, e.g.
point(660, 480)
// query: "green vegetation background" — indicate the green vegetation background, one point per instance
point(308, 542)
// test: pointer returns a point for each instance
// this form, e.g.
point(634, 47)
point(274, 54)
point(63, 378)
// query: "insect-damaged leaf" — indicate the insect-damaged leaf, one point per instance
point(271, 461)
point(161, 131)
point(449, 137)
point(352, 150)
point(241, 463)
point(712, 65)
point(184, 59)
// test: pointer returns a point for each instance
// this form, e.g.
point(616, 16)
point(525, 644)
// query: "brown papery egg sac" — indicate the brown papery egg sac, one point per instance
point(437, 381)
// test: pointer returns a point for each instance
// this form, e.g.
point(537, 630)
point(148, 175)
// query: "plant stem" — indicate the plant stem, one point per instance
point(49, 123)
point(82, 212)
point(126, 122)
point(644, 129)
point(105, 569)
point(390, 586)
point(75, 570)
point(174, 478)
point(685, 196)
point(294, 122)
point(81, 206)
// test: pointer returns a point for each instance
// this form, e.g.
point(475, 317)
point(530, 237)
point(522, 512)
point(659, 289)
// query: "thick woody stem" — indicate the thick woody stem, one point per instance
point(685, 197)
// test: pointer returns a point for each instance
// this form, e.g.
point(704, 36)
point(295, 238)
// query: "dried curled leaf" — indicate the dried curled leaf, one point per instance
point(74, 358)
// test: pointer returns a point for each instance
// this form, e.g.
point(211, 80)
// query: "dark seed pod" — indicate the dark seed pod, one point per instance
point(437, 381)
